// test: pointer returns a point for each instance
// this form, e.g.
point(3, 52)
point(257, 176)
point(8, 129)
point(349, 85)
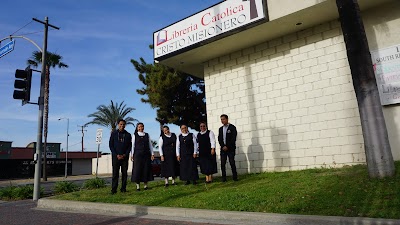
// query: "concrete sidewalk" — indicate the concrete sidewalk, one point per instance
point(212, 216)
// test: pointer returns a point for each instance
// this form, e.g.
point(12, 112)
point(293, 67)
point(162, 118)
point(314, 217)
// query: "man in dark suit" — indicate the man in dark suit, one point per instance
point(120, 145)
point(227, 140)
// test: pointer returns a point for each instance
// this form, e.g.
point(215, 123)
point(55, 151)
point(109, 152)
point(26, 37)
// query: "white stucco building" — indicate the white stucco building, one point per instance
point(283, 78)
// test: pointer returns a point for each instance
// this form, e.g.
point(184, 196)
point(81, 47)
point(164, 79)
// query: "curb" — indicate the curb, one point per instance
point(203, 214)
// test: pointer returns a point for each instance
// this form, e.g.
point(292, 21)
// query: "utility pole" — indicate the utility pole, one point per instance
point(38, 154)
point(83, 134)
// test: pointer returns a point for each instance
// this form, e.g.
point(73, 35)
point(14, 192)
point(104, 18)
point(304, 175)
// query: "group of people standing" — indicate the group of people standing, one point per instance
point(179, 154)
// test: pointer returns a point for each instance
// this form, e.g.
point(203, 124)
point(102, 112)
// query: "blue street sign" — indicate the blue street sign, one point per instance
point(7, 48)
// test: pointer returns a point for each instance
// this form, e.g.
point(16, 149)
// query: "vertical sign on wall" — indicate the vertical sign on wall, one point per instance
point(387, 73)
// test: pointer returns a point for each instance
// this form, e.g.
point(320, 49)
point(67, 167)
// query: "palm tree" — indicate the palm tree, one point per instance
point(377, 148)
point(53, 60)
point(108, 116)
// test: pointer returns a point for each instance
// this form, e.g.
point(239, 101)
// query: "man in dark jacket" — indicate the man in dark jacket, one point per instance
point(120, 145)
point(227, 140)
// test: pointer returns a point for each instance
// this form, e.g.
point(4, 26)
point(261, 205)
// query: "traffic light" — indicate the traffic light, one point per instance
point(22, 84)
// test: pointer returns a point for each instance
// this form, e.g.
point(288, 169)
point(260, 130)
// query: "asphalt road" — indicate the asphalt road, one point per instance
point(24, 212)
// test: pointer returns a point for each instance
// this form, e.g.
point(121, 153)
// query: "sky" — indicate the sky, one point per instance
point(97, 39)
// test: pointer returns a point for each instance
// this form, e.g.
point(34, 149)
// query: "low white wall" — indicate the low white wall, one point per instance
point(105, 165)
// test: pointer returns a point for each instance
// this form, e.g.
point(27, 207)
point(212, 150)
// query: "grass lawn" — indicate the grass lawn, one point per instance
point(346, 191)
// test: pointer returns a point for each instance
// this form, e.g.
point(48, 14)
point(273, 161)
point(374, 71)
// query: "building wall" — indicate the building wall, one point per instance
point(81, 166)
point(292, 99)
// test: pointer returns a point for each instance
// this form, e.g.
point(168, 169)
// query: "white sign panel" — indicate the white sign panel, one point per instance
point(387, 73)
point(223, 17)
point(99, 136)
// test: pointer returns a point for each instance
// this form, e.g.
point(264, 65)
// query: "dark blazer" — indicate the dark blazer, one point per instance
point(120, 148)
point(231, 134)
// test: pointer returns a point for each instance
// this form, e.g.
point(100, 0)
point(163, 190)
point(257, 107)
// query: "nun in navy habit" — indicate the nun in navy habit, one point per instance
point(207, 156)
point(186, 153)
point(167, 149)
point(141, 155)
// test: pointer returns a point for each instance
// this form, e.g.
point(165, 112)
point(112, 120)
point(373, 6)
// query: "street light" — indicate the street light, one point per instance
point(66, 153)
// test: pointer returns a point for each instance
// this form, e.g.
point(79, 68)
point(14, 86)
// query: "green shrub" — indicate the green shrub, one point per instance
point(23, 192)
point(6, 192)
point(62, 187)
point(18, 192)
point(94, 183)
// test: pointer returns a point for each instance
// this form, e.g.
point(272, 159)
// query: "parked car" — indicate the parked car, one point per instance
point(156, 166)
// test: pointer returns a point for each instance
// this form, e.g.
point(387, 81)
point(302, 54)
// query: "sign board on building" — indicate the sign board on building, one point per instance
point(99, 136)
point(7, 48)
point(387, 73)
point(52, 149)
point(218, 19)
point(5, 149)
point(50, 155)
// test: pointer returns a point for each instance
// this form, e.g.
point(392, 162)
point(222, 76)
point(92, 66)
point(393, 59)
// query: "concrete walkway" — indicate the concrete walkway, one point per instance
point(212, 216)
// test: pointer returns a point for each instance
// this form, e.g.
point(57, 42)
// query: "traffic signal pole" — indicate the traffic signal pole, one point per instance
point(38, 157)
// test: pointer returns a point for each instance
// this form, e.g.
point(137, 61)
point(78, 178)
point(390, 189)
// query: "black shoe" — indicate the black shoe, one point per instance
point(194, 182)
point(174, 184)
point(146, 188)
point(113, 192)
point(166, 185)
point(187, 183)
point(223, 180)
point(123, 190)
point(137, 189)
point(235, 179)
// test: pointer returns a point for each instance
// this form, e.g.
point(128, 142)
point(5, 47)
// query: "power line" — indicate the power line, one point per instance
point(35, 32)
point(24, 34)
point(74, 144)
point(22, 27)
